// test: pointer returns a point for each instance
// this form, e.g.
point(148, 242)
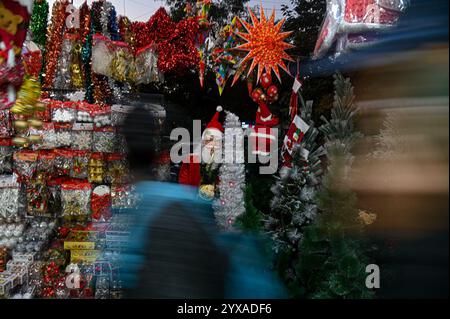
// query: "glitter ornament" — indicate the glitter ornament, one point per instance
point(37, 197)
point(265, 45)
point(63, 134)
point(47, 135)
point(82, 137)
point(25, 163)
point(63, 162)
point(117, 169)
point(97, 168)
point(80, 165)
point(76, 198)
point(104, 139)
point(63, 112)
point(9, 196)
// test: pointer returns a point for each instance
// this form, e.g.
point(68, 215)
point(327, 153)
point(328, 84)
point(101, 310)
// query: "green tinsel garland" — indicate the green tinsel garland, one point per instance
point(38, 23)
point(86, 54)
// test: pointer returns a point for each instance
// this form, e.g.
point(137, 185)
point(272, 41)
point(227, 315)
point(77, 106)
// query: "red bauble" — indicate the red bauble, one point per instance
point(266, 80)
point(272, 93)
point(256, 95)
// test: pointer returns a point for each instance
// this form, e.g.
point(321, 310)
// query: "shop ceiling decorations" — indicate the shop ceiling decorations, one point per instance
point(203, 7)
point(349, 22)
point(264, 42)
point(223, 56)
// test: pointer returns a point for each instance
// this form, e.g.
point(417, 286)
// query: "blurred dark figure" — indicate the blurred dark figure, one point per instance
point(175, 249)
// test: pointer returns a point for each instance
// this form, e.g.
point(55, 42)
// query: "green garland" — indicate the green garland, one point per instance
point(39, 20)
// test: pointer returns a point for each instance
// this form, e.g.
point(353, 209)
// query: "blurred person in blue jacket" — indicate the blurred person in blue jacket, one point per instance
point(175, 248)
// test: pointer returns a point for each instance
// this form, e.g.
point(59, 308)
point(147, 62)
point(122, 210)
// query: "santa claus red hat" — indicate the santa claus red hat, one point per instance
point(265, 117)
point(214, 127)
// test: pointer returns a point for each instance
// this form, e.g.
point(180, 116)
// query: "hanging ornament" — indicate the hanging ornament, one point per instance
point(266, 80)
point(223, 57)
point(265, 45)
point(201, 42)
point(256, 95)
point(273, 93)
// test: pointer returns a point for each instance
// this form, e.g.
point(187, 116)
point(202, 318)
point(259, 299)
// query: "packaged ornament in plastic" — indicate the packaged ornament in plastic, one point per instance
point(97, 168)
point(102, 55)
point(46, 163)
point(36, 237)
point(120, 145)
point(54, 188)
point(63, 112)
point(76, 198)
point(102, 117)
point(119, 113)
point(43, 111)
point(63, 162)
point(6, 156)
point(82, 136)
point(147, 66)
point(5, 124)
point(37, 197)
point(346, 17)
point(80, 165)
point(117, 169)
point(24, 164)
point(101, 203)
point(123, 197)
point(104, 139)
point(122, 67)
point(85, 112)
point(47, 136)
point(63, 134)
point(10, 193)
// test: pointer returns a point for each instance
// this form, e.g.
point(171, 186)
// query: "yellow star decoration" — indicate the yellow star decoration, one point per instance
point(265, 44)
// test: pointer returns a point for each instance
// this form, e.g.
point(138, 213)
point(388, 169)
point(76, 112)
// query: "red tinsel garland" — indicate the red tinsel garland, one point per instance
point(33, 63)
point(175, 42)
point(54, 42)
point(179, 53)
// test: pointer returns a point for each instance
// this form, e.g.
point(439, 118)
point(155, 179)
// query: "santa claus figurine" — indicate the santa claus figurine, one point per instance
point(190, 172)
point(263, 138)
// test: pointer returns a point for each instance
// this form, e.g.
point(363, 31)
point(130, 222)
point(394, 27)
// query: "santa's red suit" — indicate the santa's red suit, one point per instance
point(190, 172)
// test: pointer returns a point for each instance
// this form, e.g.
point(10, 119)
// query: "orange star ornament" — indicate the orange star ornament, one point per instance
point(265, 45)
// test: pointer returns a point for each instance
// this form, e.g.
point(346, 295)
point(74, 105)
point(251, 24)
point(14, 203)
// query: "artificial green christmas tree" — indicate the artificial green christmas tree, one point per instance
point(294, 205)
point(333, 252)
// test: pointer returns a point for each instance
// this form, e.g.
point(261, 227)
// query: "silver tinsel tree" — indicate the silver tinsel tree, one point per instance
point(231, 203)
point(294, 204)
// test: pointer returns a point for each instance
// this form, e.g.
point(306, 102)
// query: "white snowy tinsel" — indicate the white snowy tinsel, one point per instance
point(231, 203)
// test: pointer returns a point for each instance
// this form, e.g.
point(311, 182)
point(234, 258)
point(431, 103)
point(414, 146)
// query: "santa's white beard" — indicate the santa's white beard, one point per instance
point(209, 154)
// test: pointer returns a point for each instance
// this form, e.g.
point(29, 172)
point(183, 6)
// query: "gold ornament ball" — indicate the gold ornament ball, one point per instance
point(20, 125)
point(207, 192)
point(20, 141)
point(35, 139)
point(35, 123)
